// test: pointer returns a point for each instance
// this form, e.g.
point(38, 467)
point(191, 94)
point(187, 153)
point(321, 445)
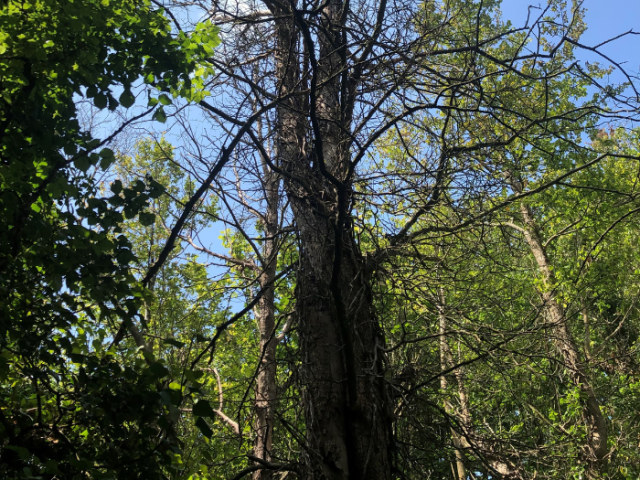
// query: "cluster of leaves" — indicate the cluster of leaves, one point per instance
point(67, 405)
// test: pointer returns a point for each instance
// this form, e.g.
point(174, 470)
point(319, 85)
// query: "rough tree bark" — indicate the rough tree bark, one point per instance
point(345, 399)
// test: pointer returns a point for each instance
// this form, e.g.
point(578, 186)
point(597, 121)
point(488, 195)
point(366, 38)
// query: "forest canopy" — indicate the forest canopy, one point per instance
point(324, 240)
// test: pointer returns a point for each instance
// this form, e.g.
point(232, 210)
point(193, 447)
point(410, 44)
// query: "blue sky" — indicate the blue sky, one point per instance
point(605, 19)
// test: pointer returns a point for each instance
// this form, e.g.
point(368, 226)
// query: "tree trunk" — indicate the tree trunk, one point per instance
point(345, 397)
point(344, 391)
point(596, 450)
point(265, 392)
point(462, 441)
point(459, 470)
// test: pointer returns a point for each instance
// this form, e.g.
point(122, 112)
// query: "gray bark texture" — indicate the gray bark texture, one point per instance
point(345, 398)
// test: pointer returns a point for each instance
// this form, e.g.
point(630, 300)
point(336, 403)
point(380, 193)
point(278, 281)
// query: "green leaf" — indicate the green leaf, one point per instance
point(51, 466)
point(193, 375)
point(138, 186)
point(164, 99)
point(203, 409)
point(204, 427)
point(116, 187)
point(158, 370)
point(150, 357)
point(165, 398)
point(159, 115)
point(127, 99)
point(155, 189)
point(21, 451)
point(106, 153)
point(171, 341)
point(147, 219)
point(70, 149)
point(113, 103)
point(107, 158)
point(83, 163)
point(100, 101)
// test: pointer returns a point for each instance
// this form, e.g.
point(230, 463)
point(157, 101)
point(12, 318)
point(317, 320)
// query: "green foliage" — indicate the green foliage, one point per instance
point(470, 354)
point(69, 408)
